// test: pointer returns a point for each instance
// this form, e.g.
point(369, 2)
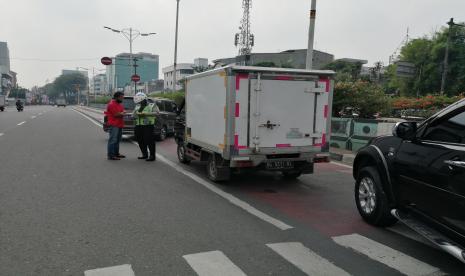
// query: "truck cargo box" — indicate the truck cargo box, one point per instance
point(257, 113)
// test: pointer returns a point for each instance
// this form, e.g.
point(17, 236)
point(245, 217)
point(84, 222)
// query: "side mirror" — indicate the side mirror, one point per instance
point(405, 130)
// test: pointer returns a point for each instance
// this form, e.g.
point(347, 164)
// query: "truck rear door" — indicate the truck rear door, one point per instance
point(289, 111)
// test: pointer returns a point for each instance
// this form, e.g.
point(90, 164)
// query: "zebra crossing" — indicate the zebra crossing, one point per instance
point(215, 262)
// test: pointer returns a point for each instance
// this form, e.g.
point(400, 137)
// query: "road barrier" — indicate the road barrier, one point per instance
point(354, 134)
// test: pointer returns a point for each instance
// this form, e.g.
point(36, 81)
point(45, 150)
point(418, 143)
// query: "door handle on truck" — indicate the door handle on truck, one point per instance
point(269, 125)
point(457, 164)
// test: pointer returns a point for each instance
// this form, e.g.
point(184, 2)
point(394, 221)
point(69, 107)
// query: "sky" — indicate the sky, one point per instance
point(46, 36)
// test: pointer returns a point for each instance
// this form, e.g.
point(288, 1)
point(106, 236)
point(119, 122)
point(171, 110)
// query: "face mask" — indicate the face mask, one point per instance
point(119, 100)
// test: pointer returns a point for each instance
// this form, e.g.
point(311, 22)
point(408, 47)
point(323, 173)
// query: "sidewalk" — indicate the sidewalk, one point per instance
point(344, 156)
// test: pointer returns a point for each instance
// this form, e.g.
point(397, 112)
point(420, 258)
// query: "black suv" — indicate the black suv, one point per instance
point(165, 121)
point(167, 118)
point(417, 176)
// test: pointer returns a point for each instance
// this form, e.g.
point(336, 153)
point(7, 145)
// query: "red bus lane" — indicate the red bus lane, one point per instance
point(323, 201)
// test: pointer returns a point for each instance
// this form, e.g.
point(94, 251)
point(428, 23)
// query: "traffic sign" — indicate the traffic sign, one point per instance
point(106, 61)
point(135, 78)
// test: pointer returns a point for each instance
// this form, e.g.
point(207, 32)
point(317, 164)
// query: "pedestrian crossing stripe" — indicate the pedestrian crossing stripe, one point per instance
point(121, 270)
point(381, 253)
point(213, 263)
point(306, 260)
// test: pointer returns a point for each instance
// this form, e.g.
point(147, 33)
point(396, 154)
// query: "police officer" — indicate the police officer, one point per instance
point(144, 115)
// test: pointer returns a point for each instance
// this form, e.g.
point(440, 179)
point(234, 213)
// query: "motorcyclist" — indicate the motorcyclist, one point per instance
point(19, 105)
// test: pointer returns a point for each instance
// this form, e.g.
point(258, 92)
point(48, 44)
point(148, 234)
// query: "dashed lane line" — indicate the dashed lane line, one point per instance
point(1, 134)
point(229, 197)
point(33, 117)
point(22, 123)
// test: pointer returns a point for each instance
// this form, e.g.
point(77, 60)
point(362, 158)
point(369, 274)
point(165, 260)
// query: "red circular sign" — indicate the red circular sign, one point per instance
point(135, 78)
point(106, 61)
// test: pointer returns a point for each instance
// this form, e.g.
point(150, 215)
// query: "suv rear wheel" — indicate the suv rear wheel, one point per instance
point(372, 202)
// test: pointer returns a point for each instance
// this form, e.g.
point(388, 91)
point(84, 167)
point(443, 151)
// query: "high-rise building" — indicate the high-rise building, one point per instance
point(120, 72)
point(182, 70)
point(4, 58)
point(98, 85)
point(7, 79)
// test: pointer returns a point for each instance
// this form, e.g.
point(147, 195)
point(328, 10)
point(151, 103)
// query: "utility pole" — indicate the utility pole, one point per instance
point(311, 36)
point(135, 73)
point(446, 57)
point(176, 47)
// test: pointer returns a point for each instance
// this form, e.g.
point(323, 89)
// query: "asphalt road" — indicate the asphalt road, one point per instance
point(66, 210)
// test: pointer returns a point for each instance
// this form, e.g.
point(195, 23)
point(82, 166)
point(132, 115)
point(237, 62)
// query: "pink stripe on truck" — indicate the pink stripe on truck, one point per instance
point(283, 145)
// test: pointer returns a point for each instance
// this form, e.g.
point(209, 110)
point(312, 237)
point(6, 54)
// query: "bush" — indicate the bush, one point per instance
point(101, 100)
point(364, 98)
point(177, 97)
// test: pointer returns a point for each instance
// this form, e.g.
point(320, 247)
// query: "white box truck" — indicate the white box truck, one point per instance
point(242, 117)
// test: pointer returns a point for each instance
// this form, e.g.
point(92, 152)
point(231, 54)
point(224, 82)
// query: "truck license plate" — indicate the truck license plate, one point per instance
point(277, 165)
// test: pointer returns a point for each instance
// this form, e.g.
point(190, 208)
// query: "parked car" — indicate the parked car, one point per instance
point(167, 119)
point(417, 176)
point(164, 123)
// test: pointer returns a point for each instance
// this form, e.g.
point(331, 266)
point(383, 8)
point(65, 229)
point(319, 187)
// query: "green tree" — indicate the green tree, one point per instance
point(427, 54)
point(65, 86)
point(18, 92)
point(345, 71)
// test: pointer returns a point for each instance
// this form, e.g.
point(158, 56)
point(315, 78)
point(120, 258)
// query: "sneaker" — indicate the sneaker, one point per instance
point(113, 158)
point(120, 156)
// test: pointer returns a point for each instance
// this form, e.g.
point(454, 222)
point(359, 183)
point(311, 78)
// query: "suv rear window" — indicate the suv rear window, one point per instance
point(129, 104)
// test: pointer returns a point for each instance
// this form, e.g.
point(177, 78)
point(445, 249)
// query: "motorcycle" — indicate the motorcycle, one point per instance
point(19, 108)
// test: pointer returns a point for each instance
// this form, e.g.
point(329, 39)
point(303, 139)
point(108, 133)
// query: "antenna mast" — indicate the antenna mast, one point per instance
point(244, 39)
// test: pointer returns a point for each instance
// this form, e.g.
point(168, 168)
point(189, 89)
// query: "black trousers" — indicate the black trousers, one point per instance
point(146, 139)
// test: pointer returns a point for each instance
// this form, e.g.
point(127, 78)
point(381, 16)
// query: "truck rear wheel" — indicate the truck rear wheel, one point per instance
point(182, 154)
point(371, 201)
point(215, 172)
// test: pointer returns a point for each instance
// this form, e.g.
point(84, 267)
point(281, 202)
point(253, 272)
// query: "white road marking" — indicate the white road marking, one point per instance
point(88, 118)
point(121, 270)
point(212, 264)
point(40, 114)
point(232, 199)
point(305, 259)
point(33, 117)
point(1, 134)
point(21, 123)
point(386, 255)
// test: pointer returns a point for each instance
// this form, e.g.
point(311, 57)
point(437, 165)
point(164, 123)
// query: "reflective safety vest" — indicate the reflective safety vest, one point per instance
point(146, 120)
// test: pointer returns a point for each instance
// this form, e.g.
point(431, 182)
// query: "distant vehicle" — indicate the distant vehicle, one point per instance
point(166, 120)
point(417, 176)
point(2, 103)
point(256, 118)
point(61, 102)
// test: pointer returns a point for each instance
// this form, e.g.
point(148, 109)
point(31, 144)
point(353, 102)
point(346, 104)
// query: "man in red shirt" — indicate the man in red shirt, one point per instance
point(115, 113)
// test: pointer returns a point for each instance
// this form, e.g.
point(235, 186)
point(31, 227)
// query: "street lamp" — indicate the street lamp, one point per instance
point(93, 82)
point(451, 24)
point(176, 46)
point(311, 36)
point(130, 34)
